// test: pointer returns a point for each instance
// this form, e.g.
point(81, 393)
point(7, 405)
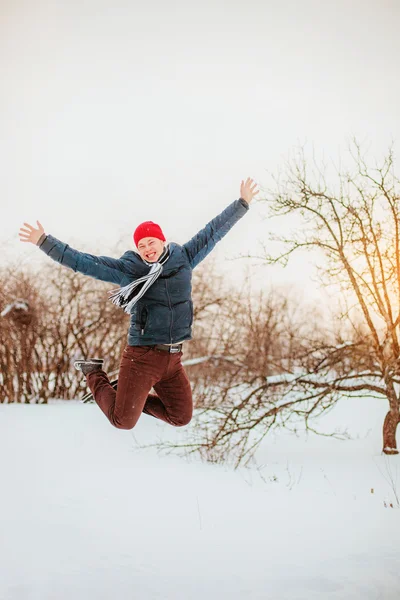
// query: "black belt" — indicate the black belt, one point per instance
point(167, 348)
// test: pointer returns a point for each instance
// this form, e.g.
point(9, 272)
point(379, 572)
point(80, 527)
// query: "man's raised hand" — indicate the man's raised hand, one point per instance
point(248, 190)
point(27, 233)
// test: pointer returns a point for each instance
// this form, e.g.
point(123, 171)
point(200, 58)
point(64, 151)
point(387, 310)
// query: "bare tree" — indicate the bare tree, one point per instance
point(355, 226)
point(18, 320)
point(47, 320)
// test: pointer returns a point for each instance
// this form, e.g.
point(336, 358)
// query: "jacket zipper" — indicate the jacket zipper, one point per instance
point(172, 314)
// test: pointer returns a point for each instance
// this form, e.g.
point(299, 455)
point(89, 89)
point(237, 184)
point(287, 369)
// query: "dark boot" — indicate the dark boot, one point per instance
point(89, 366)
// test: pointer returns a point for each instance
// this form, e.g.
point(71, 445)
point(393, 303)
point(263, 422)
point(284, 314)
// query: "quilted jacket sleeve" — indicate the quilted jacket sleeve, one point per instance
point(113, 270)
point(204, 241)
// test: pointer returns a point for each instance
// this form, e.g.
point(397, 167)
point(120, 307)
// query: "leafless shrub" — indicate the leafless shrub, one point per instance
point(67, 317)
point(256, 381)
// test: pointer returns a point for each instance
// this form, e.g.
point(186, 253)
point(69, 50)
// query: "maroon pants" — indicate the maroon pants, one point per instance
point(143, 368)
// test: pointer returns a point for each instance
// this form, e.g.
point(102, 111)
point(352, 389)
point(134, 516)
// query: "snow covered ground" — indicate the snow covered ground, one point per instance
point(86, 514)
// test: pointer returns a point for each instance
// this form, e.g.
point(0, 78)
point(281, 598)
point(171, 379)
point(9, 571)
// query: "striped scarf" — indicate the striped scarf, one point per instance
point(127, 296)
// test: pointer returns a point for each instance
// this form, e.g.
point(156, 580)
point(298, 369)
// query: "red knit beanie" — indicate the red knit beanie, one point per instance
point(148, 229)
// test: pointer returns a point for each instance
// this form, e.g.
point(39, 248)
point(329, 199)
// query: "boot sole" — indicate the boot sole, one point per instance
point(92, 362)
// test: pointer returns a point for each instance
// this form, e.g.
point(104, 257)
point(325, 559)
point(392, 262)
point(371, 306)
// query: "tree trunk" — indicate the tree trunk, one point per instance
point(389, 432)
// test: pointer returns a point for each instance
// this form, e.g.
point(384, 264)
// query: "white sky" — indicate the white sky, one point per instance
point(113, 112)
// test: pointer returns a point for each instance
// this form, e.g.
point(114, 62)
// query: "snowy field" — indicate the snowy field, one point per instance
point(86, 514)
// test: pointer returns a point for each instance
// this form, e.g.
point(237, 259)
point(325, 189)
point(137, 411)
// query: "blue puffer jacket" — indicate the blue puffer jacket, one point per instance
point(164, 314)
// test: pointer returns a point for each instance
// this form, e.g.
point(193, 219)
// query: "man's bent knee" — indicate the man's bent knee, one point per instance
point(124, 423)
point(181, 421)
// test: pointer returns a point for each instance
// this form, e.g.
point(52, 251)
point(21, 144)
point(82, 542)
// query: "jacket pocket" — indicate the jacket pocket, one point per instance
point(134, 353)
point(142, 317)
point(183, 315)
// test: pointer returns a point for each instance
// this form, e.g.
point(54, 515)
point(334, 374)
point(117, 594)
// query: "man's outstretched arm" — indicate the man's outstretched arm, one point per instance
point(100, 267)
point(204, 241)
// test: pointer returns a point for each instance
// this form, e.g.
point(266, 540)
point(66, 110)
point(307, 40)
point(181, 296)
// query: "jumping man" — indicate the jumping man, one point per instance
point(155, 289)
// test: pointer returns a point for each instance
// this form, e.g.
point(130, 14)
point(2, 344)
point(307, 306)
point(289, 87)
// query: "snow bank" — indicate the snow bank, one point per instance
point(85, 513)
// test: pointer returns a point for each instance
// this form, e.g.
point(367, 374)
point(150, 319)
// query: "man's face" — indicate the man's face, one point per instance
point(150, 248)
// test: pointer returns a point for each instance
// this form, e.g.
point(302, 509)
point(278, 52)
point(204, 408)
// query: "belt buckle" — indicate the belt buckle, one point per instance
point(174, 350)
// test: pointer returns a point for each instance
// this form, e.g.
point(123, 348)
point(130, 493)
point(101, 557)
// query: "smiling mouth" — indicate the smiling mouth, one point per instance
point(151, 255)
